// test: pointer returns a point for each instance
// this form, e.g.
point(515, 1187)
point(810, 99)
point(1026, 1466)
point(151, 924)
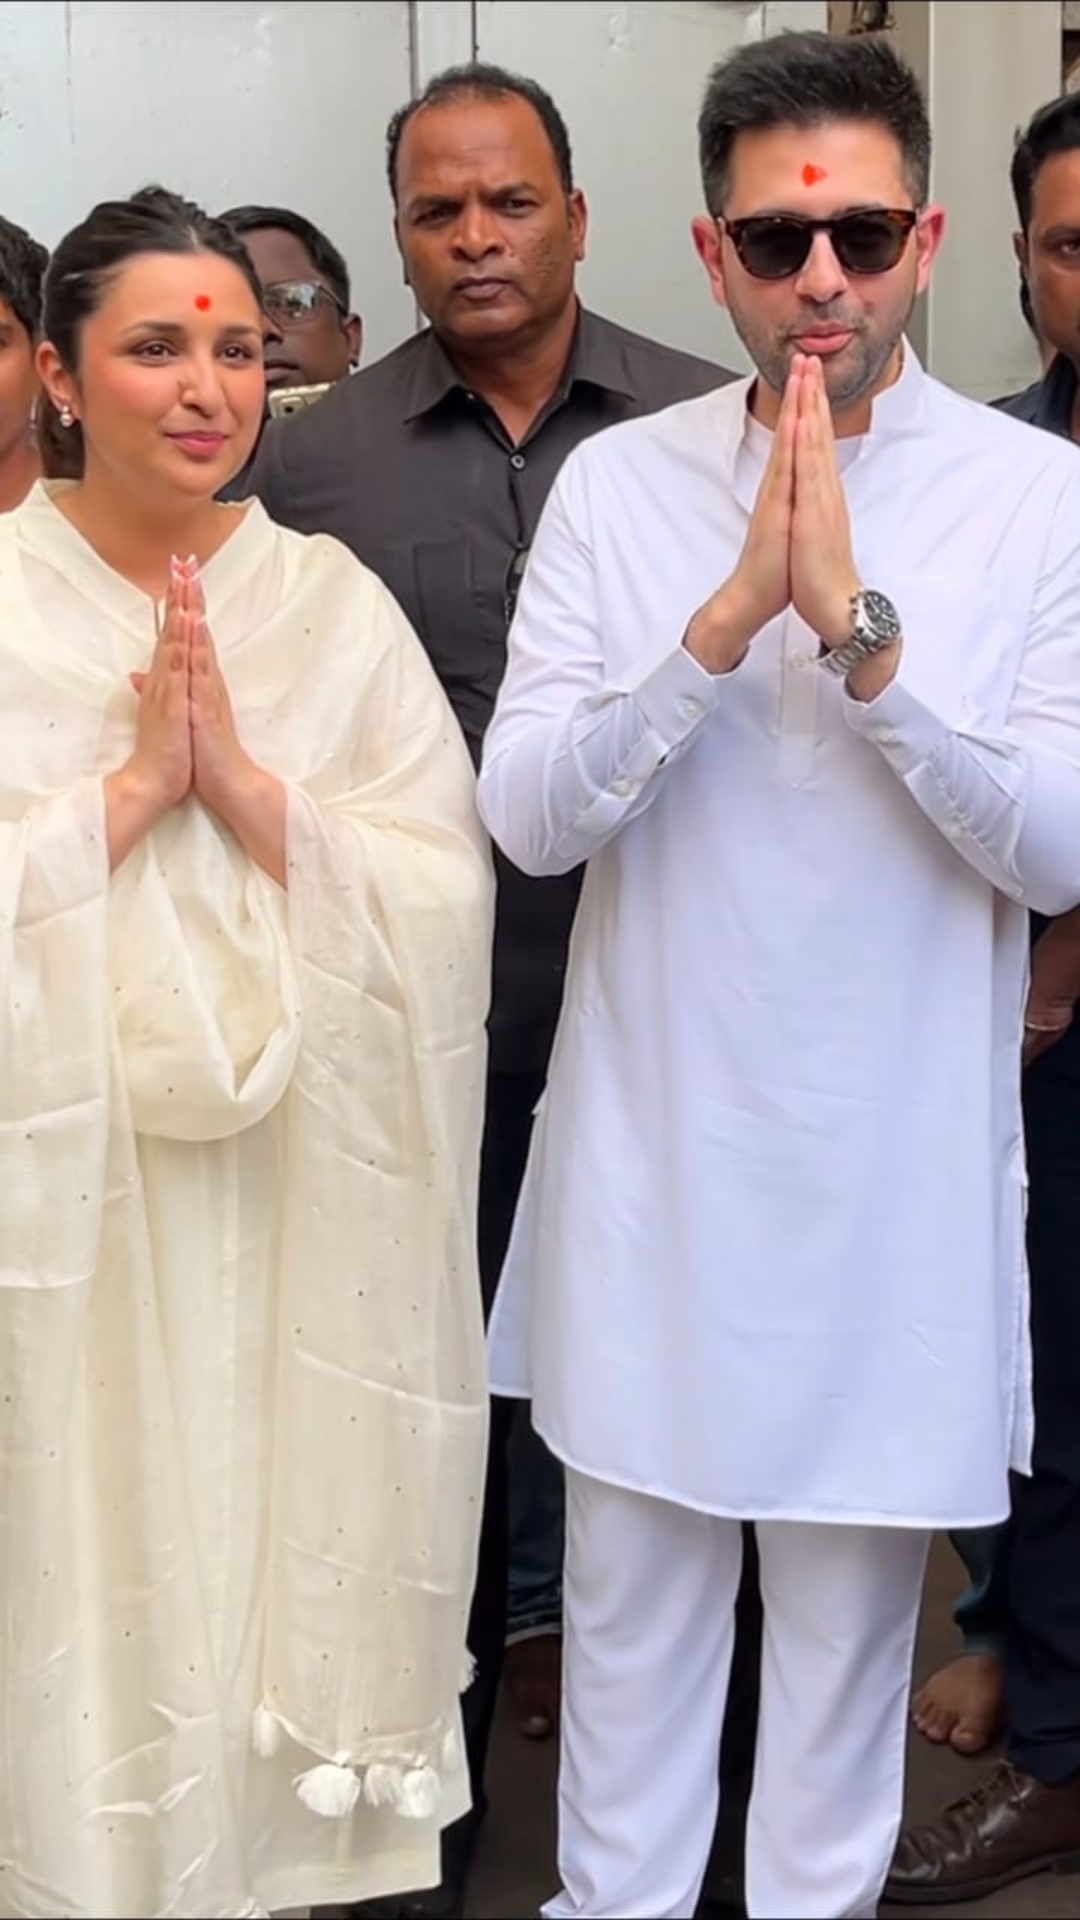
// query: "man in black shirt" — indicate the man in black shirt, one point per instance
point(433, 465)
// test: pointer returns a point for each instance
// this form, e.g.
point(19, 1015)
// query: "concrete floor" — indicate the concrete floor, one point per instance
point(515, 1870)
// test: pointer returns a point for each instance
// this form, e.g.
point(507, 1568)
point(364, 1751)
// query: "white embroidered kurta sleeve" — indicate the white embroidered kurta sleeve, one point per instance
point(1008, 800)
point(54, 876)
point(572, 754)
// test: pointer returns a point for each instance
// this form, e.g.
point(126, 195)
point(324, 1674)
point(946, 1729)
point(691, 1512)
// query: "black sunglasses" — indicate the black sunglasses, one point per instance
point(773, 246)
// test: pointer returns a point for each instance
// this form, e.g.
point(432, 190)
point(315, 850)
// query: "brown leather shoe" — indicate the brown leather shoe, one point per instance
point(1010, 1827)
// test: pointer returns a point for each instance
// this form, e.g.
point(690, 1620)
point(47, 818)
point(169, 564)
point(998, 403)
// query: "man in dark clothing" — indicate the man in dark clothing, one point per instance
point(316, 336)
point(434, 465)
point(1025, 1815)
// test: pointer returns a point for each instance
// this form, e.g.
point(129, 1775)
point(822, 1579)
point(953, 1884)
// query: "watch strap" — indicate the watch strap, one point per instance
point(864, 642)
point(841, 660)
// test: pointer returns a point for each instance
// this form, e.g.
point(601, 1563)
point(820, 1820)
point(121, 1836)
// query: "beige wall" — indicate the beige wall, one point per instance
point(987, 77)
point(986, 65)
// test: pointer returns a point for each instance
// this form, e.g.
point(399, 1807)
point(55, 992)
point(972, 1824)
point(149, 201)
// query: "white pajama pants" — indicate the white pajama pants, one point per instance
point(649, 1596)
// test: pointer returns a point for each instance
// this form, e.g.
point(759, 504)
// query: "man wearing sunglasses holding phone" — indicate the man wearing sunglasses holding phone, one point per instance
point(316, 338)
point(796, 669)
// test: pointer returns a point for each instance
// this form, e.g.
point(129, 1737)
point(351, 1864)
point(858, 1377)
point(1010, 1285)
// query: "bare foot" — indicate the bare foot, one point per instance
point(532, 1670)
point(962, 1704)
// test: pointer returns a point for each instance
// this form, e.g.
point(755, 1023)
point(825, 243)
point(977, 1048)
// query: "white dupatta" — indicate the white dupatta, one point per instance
point(149, 1020)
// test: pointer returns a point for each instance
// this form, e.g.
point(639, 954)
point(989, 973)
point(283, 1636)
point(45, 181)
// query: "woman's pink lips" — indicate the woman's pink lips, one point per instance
point(203, 444)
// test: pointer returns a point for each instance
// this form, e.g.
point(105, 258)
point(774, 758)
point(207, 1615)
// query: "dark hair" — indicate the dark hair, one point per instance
point(479, 81)
point(92, 254)
point(1026, 307)
point(23, 261)
point(805, 80)
point(1055, 128)
point(323, 254)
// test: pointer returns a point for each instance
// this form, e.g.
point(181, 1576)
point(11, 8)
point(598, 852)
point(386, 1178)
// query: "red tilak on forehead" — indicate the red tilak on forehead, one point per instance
point(811, 175)
point(203, 302)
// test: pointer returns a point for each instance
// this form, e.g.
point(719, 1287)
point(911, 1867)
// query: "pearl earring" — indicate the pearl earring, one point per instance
point(67, 418)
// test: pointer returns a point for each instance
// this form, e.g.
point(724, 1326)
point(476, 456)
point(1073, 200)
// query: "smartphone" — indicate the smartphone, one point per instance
point(285, 400)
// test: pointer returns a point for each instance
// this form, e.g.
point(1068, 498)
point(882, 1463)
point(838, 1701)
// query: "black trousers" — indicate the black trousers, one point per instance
point(1042, 1643)
point(511, 1099)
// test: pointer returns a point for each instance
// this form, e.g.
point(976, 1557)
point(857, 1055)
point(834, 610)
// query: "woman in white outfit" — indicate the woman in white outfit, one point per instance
point(244, 929)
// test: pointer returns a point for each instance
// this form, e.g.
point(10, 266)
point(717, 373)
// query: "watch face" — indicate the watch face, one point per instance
point(878, 616)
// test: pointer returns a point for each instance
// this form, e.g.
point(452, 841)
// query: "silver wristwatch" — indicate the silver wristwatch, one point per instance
point(875, 624)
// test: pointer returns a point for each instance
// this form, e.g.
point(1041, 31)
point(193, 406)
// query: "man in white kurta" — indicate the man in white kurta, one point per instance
point(769, 1262)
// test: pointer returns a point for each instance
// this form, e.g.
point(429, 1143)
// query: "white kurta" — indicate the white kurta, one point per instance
point(242, 1393)
point(769, 1258)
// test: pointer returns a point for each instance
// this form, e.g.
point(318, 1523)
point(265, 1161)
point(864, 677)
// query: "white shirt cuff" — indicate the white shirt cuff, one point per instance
point(676, 696)
point(907, 732)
